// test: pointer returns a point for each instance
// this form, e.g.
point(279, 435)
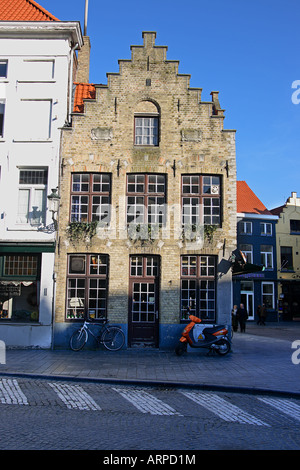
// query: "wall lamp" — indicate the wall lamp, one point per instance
point(53, 205)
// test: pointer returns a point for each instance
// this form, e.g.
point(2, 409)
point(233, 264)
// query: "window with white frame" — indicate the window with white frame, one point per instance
point(266, 256)
point(268, 294)
point(265, 228)
point(146, 130)
point(248, 252)
point(2, 113)
point(245, 228)
point(32, 196)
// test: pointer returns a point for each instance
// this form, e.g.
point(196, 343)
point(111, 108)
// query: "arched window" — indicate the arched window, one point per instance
point(146, 124)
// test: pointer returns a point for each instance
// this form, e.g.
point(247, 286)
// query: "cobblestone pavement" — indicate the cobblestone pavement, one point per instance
point(261, 360)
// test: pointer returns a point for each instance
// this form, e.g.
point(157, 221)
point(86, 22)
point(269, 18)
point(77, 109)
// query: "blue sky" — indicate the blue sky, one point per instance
point(248, 51)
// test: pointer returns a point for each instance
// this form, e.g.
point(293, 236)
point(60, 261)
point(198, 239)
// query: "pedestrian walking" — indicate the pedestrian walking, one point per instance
point(263, 314)
point(234, 318)
point(242, 318)
point(258, 313)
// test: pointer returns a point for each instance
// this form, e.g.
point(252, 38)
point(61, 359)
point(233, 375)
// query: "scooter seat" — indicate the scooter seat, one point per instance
point(213, 329)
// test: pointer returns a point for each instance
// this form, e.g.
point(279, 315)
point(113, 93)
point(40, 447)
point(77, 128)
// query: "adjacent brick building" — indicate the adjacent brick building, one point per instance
point(147, 220)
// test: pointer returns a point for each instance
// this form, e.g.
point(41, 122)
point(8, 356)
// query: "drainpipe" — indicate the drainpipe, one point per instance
point(71, 82)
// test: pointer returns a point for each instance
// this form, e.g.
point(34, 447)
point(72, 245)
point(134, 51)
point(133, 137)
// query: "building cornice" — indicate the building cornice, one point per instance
point(42, 29)
point(249, 215)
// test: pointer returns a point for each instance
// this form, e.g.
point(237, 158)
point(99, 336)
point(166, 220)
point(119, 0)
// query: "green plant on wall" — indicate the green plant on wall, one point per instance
point(143, 232)
point(209, 231)
point(193, 231)
point(82, 230)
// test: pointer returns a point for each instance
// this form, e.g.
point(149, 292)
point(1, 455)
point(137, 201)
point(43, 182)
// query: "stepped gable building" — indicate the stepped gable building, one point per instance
point(37, 70)
point(288, 254)
point(147, 220)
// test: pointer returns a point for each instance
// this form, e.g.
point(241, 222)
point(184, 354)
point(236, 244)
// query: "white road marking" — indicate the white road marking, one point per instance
point(11, 393)
point(223, 408)
point(145, 402)
point(74, 397)
point(282, 404)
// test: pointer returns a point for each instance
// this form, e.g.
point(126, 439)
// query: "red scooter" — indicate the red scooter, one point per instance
point(213, 338)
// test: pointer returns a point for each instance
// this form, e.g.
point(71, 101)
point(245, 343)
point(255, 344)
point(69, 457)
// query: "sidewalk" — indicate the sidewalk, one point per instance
point(261, 361)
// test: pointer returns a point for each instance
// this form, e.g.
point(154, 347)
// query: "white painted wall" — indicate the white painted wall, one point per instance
point(35, 92)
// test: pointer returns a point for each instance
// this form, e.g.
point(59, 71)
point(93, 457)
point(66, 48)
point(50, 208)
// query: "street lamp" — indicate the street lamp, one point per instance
point(53, 206)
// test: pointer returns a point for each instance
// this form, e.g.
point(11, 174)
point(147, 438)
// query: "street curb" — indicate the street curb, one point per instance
point(156, 383)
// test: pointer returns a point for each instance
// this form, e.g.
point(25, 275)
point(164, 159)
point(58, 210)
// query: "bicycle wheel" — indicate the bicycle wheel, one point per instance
point(113, 338)
point(78, 339)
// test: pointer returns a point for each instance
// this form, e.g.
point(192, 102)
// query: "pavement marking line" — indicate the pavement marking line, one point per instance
point(74, 397)
point(145, 402)
point(222, 408)
point(284, 405)
point(11, 393)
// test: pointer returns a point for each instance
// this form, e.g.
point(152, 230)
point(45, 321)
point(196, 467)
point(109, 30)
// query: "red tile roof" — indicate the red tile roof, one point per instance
point(23, 10)
point(248, 202)
point(83, 91)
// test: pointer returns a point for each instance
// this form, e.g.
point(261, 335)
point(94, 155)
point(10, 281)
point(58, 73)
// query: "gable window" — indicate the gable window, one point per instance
point(146, 198)
point(32, 196)
point(87, 285)
point(146, 130)
point(294, 226)
point(90, 197)
point(146, 124)
point(198, 292)
point(201, 200)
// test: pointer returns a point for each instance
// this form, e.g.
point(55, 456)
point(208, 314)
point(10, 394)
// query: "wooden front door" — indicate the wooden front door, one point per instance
point(143, 321)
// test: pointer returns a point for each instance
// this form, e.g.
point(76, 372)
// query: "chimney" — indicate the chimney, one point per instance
point(83, 68)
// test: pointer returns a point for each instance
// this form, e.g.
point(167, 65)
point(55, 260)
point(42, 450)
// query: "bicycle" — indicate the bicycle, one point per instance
point(112, 337)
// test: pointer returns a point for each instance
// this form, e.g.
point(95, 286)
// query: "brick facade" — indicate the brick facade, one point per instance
point(191, 140)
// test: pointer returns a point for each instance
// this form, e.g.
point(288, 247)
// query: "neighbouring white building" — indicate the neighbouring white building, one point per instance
point(37, 70)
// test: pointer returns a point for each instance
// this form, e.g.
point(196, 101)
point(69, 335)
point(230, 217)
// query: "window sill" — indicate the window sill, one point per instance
point(7, 321)
point(32, 140)
point(23, 228)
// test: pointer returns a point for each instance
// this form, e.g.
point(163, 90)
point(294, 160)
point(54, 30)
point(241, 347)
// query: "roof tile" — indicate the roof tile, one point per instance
point(24, 10)
point(248, 202)
point(83, 91)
